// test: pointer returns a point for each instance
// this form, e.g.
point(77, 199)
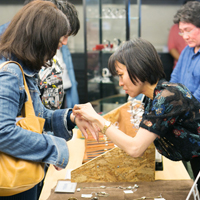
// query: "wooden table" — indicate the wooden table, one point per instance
point(172, 170)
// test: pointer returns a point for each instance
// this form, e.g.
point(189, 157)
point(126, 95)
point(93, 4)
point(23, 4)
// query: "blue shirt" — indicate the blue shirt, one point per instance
point(187, 71)
point(72, 97)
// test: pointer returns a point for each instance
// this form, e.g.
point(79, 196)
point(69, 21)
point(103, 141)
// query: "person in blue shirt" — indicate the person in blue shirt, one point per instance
point(31, 39)
point(187, 70)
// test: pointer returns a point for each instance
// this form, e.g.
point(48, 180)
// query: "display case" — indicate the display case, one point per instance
point(107, 23)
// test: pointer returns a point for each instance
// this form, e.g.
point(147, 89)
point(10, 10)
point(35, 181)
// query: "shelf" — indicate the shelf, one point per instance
point(106, 24)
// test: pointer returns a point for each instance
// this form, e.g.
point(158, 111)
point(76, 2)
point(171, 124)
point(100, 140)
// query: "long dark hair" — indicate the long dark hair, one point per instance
point(141, 60)
point(34, 33)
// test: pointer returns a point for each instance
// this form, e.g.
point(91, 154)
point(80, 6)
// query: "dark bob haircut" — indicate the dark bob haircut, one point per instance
point(189, 13)
point(33, 34)
point(141, 60)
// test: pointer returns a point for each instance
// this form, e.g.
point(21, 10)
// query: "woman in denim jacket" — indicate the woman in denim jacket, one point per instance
point(32, 39)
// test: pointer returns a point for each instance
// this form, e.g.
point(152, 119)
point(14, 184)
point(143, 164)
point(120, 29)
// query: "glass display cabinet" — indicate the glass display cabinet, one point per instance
point(107, 23)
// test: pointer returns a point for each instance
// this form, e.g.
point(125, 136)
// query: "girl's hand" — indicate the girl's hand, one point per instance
point(58, 168)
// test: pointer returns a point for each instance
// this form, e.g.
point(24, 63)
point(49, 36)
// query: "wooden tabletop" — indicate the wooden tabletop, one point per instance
point(172, 170)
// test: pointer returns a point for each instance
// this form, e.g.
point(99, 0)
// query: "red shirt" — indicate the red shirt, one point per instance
point(175, 41)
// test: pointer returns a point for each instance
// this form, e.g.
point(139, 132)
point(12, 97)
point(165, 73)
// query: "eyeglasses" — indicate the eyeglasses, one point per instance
point(186, 32)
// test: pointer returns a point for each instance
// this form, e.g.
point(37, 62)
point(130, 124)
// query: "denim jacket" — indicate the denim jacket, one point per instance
point(22, 143)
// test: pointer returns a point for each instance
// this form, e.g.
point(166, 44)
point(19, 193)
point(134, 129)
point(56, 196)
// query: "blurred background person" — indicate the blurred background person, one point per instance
point(187, 70)
point(176, 43)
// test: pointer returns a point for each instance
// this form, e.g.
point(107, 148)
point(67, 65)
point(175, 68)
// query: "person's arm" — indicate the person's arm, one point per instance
point(172, 43)
point(174, 53)
point(19, 142)
point(84, 125)
point(61, 122)
point(175, 75)
point(134, 146)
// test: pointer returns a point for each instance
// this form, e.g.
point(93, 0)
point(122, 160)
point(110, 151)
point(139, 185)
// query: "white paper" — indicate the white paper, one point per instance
point(86, 195)
point(65, 186)
point(159, 199)
point(68, 174)
point(128, 191)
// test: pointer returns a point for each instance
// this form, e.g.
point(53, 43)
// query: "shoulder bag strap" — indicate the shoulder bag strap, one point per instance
point(28, 105)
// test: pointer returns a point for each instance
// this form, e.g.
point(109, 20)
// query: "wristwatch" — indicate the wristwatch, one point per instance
point(106, 126)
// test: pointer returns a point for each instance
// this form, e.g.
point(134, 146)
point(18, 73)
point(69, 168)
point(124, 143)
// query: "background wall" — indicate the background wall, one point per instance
point(156, 20)
point(8, 9)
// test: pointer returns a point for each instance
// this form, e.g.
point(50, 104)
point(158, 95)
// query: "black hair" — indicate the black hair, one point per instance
point(141, 60)
point(189, 13)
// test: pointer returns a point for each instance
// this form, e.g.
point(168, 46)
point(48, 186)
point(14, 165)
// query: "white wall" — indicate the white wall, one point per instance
point(8, 12)
point(76, 43)
point(156, 21)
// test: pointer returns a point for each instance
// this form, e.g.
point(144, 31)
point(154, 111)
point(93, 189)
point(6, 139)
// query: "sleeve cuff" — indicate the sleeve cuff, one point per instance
point(70, 124)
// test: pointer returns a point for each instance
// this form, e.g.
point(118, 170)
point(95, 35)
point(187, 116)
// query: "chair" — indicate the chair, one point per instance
point(194, 190)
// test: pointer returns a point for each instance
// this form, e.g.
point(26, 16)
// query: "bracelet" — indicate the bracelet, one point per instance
point(106, 126)
point(74, 120)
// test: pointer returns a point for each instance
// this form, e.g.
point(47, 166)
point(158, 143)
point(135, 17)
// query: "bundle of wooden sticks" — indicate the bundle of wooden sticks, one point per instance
point(121, 117)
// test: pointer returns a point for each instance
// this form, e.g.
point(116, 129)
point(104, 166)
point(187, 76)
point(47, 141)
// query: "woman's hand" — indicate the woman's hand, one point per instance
point(85, 126)
point(86, 111)
point(57, 168)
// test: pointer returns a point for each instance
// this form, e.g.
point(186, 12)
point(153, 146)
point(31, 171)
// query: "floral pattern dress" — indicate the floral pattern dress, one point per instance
point(174, 115)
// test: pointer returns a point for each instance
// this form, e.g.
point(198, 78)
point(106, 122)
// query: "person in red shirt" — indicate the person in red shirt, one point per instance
point(176, 43)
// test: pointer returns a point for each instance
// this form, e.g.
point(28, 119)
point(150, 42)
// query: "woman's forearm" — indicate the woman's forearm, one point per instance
point(134, 146)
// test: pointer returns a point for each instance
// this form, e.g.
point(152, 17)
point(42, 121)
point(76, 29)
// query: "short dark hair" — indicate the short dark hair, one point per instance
point(189, 13)
point(33, 34)
point(69, 10)
point(188, 1)
point(141, 60)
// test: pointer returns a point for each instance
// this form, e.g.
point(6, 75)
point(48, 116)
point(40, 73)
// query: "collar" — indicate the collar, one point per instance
point(27, 71)
point(159, 86)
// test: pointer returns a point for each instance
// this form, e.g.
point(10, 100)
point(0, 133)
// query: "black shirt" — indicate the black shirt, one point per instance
point(174, 115)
